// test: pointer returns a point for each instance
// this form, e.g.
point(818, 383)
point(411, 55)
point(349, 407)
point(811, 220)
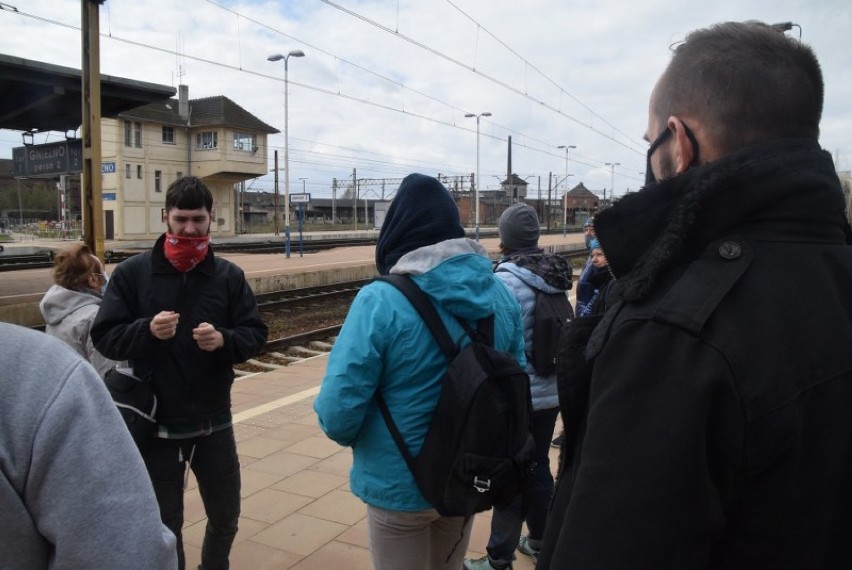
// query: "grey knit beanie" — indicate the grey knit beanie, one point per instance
point(519, 227)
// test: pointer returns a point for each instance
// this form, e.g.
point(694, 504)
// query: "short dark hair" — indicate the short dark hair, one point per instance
point(189, 193)
point(746, 81)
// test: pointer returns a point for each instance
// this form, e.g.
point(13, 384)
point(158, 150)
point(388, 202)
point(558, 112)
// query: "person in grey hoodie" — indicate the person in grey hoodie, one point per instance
point(70, 306)
point(74, 492)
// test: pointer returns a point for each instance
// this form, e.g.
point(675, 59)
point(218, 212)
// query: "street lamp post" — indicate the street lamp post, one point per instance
point(279, 57)
point(612, 166)
point(476, 189)
point(567, 148)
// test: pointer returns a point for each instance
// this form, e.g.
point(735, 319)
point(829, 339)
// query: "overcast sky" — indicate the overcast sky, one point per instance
point(385, 84)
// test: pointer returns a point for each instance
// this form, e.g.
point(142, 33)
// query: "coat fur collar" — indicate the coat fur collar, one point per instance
point(781, 184)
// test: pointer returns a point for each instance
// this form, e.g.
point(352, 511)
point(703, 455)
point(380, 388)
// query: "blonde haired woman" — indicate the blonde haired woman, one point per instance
point(70, 306)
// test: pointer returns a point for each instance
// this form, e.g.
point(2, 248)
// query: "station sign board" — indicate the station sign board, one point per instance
point(300, 198)
point(107, 168)
point(51, 159)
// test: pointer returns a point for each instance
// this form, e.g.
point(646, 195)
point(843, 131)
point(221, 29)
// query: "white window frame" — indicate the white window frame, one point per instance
point(208, 140)
point(137, 135)
point(245, 141)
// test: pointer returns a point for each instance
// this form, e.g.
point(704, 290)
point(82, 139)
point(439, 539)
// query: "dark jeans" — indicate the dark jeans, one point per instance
point(217, 470)
point(533, 504)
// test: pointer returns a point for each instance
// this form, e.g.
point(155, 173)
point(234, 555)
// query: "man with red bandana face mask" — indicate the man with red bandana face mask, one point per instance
point(182, 318)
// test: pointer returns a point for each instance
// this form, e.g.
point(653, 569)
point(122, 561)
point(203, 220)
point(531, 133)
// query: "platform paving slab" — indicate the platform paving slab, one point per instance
point(297, 510)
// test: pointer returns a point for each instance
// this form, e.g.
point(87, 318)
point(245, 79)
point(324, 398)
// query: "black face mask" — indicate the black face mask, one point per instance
point(649, 172)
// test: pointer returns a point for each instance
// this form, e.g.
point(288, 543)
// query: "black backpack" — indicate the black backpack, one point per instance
point(135, 401)
point(479, 447)
point(552, 313)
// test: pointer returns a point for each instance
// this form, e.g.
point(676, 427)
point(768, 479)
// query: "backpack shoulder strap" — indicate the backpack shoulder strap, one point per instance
point(425, 309)
point(484, 332)
point(430, 316)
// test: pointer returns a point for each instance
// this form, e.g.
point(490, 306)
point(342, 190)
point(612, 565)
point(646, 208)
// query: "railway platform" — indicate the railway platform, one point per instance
point(297, 510)
point(21, 291)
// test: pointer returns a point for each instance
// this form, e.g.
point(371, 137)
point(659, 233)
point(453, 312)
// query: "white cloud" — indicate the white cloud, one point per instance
point(607, 54)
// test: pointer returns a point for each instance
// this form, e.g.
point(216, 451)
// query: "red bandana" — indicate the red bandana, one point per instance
point(184, 253)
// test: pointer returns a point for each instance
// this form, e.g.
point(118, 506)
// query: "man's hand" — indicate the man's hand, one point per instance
point(164, 324)
point(207, 337)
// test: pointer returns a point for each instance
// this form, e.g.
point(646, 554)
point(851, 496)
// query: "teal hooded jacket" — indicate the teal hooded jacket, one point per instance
point(384, 345)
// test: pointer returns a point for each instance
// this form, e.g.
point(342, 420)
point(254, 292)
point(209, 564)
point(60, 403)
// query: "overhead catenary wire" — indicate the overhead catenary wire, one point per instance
point(545, 145)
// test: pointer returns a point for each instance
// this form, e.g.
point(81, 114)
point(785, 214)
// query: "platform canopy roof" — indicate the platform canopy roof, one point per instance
point(39, 96)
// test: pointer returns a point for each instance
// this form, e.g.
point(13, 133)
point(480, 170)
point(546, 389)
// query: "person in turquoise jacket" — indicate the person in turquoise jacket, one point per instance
point(384, 345)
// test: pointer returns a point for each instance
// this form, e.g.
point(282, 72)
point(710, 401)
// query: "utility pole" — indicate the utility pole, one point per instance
point(90, 180)
point(333, 201)
point(354, 199)
point(547, 209)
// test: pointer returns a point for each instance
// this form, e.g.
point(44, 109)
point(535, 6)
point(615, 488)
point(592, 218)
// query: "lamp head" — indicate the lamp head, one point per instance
point(783, 26)
point(275, 57)
point(485, 114)
point(296, 53)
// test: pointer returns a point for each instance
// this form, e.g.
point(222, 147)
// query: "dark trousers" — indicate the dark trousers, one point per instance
point(217, 469)
point(531, 506)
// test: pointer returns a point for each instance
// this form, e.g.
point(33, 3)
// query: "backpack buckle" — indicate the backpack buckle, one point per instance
point(481, 485)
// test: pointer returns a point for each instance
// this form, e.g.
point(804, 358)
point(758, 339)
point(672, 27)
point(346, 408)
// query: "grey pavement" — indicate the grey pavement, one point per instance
point(297, 509)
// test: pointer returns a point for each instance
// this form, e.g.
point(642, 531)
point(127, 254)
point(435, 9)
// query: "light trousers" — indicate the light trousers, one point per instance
point(421, 540)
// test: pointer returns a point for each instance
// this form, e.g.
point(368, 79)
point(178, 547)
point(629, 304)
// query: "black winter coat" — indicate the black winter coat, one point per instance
point(709, 418)
point(192, 385)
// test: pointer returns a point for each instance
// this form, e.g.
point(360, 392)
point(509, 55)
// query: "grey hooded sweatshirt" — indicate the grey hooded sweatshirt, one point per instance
point(74, 492)
point(69, 315)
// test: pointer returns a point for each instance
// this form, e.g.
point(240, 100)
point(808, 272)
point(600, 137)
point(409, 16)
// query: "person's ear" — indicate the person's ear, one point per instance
point(683, 148)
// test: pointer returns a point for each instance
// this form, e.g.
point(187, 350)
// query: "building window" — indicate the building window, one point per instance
point(158, 181)
point(138, 133)
point(169, 135)
point(128, 133)
point(207, 140)
point(179, 175)
point(139, 171)
point(245, 141)
point(127, 171)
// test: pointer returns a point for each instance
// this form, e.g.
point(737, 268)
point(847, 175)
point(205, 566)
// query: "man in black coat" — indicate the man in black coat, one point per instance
point(708, 411)
point(182, 318)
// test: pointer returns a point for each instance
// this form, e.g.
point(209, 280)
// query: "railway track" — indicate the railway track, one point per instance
point(284, 351)
point(294, 297)
point(44, 259)
point(32, 261)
